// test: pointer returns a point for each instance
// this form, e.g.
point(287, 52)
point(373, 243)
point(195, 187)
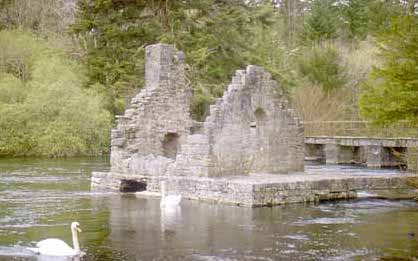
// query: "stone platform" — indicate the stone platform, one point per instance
point(315, 184)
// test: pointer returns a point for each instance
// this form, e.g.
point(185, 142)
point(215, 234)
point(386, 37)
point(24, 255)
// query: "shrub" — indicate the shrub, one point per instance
point(312, 103)
point(46, 111)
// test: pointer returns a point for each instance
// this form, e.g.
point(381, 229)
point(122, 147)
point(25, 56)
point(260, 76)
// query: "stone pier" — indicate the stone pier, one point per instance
point(370, 152)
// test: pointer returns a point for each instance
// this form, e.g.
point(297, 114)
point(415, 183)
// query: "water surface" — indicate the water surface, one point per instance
point(39, 198)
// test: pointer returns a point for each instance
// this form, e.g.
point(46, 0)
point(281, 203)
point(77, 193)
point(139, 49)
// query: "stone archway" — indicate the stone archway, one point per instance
point(260, 116)
point(127, 185)
point(170, 145)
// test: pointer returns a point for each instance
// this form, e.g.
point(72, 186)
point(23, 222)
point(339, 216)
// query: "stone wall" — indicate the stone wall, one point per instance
point(148, 136)
point(250, 129)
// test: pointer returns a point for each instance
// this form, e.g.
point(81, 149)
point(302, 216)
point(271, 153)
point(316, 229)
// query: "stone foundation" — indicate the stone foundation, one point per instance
point(256, 190)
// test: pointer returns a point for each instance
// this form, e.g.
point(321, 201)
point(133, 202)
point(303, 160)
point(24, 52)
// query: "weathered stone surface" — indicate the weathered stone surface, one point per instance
point(158, 120)
point(274, 189)
point(331, 153)
point(374, 156)
point(250, 129)
point(412, 158)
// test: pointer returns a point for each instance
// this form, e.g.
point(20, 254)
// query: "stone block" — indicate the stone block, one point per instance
point(374, 156)
point(331, 153)
point(412, 158)
point(118, 142)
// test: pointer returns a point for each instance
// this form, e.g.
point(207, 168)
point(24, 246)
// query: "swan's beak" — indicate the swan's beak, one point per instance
point(79, 230)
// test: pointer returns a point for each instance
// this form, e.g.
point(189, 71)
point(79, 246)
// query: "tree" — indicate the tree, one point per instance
point(381, 13)
point(322, 23)
point(214, 34)
point(292, 15)
point(43, 16)
point(391, 94)
point(356, 15)
point(322, 66)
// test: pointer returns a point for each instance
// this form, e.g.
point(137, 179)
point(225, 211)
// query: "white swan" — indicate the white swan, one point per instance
point(57, 247)
point(168, 200)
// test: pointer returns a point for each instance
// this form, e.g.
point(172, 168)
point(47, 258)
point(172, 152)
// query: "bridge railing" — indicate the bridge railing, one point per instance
point(360, 129)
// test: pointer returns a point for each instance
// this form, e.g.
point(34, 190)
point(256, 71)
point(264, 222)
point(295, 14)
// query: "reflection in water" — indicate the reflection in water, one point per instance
point(200, 231)
point(38, 199)
point(170, 217)
point(17, 252)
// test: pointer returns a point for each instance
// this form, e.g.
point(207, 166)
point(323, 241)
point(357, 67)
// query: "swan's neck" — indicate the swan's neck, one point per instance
point(75, 241)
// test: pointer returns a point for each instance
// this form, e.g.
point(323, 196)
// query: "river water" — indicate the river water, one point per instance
point(39, 198)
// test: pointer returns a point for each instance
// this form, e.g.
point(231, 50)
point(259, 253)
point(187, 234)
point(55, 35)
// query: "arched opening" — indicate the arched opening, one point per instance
point(170, 145)
point(128, 185)
point(260, 117)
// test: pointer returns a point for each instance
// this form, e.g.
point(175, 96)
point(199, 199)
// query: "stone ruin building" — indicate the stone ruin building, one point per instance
point(249, 151)
point(250, 130)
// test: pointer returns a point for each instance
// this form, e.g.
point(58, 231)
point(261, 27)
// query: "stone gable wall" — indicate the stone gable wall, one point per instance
point(251, 129)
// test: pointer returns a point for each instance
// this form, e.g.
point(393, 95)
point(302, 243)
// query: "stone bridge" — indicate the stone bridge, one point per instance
point(372, 152)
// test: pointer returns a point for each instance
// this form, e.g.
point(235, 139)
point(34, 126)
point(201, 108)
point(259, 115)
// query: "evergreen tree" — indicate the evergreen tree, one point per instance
point(323, 22)
point(322, 66)
point(356, 15)
point(214, 34)
point(362, 17)
point(381, 13)
point(391, 93)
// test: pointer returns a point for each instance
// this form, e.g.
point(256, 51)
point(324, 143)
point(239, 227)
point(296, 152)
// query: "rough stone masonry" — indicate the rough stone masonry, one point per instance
point(251, 129)
point(248, 151)
point(148, 137)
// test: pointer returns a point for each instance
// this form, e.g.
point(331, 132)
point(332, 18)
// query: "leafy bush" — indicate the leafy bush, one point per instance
point(45, 110)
